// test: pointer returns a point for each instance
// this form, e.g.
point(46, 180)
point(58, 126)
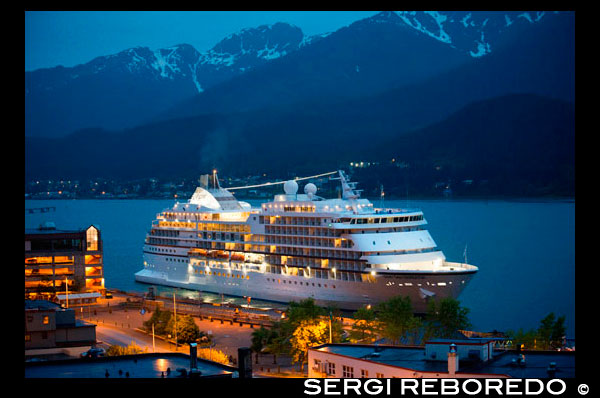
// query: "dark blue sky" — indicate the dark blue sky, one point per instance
point(69, 38)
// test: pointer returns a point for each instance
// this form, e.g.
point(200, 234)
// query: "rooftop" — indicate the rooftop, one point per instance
point(138, 366)
point(41, 305)
point(536, 362)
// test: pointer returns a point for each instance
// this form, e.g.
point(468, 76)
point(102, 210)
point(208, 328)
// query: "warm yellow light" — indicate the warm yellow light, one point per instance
point(373, 273)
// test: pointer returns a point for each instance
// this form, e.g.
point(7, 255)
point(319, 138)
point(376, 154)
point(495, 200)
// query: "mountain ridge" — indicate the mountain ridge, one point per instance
point(60, 100)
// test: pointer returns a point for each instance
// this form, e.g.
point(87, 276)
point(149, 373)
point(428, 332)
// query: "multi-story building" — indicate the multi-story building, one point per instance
point(63, 262)
point(53, 330)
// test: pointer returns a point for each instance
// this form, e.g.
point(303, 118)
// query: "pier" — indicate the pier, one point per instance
point(212, 312)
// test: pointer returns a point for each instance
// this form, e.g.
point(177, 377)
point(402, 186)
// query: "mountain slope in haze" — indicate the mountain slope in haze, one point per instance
point(516, 144)
point(512, 145)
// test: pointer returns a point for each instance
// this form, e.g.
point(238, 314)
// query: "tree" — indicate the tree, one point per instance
point(131, 349)
point(187, 330)
point(261, 340)
point(558, 332)
point(397, 319)
point(551, 332)
point(364, 328)
point(549, 335)
point(307, 334)
point(305, 310)
point(160, 319)
point(525, 339)
point(445, 317)
point(214, 355)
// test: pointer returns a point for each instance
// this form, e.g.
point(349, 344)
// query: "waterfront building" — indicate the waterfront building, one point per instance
point(64, 262)
point(441, 358)
point(51, 330)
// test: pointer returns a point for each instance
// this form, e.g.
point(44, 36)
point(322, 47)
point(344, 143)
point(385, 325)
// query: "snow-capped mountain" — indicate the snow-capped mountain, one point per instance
point(475, 32)
point(138, 85)
point(121, 90)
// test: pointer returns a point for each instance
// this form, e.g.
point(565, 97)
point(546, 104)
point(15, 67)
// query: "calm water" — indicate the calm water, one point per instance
point(525, 251)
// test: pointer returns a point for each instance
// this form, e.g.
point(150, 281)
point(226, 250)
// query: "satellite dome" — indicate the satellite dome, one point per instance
point(290, 187)
point(310, 189)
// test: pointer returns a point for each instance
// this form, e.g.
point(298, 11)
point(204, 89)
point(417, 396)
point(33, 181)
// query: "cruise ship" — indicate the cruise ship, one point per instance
point(342, 252)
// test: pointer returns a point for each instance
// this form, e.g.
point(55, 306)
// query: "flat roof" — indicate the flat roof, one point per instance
point(41, 305)
point(404, 357)
point(37, 231)
point(466, 340)
point(536, 362)
point(138, 366)
point(78, 295)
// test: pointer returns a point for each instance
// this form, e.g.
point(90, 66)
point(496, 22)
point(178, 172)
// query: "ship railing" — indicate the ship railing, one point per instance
point(396, 210)
point(460, 265)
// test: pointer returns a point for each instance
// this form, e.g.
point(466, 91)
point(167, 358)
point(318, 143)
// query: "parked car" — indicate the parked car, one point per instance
point(93, 353)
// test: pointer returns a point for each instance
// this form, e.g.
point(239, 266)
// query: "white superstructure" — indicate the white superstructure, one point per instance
point(342, 251)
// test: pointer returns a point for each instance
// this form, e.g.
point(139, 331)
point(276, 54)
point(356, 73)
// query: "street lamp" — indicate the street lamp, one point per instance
point(175, 314)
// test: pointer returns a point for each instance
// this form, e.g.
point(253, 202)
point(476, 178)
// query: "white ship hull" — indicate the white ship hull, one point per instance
point(345, 295)
point(340, 252)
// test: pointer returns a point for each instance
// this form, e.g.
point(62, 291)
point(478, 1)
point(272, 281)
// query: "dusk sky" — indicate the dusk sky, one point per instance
point(70, 38)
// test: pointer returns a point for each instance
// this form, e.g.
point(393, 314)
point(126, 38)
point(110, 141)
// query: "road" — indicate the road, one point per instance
point(118, 327)
point(116, 336)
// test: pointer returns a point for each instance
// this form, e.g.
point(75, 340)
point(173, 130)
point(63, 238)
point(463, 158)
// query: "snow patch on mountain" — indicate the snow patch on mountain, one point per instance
point(409, 17)
point(465, 20)
point(483, 48)
point(473, 32)
point(162, 62)
point(137, 62)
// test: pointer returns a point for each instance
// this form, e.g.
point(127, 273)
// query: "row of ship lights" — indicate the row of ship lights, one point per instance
point(263, 265)
point(326, 207)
